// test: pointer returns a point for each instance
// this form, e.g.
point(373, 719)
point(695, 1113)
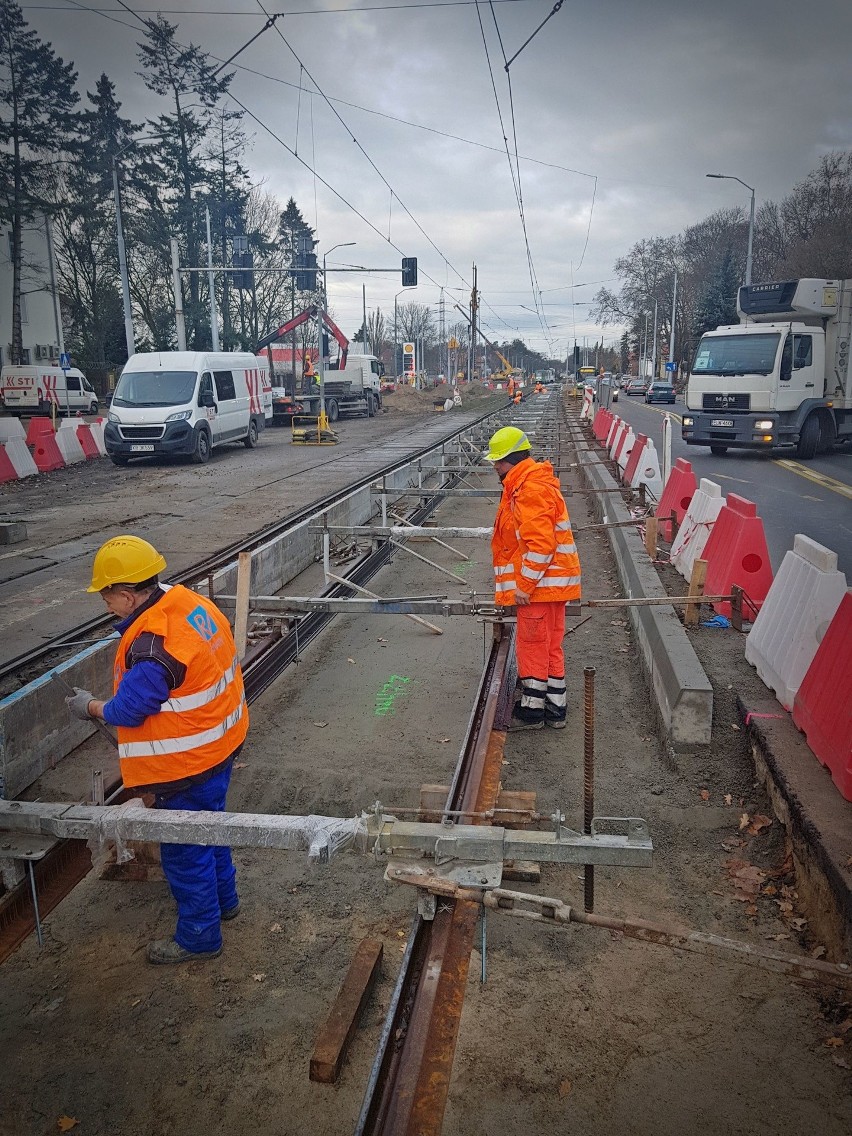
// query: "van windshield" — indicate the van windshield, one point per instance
point(155, 388)
point(736, 354)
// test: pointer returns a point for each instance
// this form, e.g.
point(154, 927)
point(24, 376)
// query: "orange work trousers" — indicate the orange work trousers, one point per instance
point(541, 662)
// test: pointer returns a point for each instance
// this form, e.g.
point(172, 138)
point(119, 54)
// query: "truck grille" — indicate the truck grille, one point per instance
point(725, 402)
point(139, 433)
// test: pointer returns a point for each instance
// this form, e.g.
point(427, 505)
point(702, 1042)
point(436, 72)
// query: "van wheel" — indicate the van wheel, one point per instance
point(810, 438)
point(332, 410)
point(93, 409)
point(250, 440)
point(119, 459)
point(718, 451)
point(201, 453)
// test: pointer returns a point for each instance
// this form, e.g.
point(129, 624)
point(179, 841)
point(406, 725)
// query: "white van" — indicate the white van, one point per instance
point(33, 390)
point(187, 402)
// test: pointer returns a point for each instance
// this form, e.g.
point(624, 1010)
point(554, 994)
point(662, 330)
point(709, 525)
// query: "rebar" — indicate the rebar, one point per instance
point(588, 778)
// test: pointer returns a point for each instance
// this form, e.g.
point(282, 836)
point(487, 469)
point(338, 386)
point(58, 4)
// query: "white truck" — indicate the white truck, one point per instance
point(187, 402)
point(36, 389)
point(781, 377)
point(354, 390)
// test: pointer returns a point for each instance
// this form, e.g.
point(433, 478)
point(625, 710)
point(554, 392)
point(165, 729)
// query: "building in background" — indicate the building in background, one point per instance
point(38, 319)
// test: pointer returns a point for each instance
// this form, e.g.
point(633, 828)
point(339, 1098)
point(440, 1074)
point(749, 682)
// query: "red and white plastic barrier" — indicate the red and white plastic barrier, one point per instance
point(613, 430)
point(698, 521)
point(11, 429)
point(736, 553)
point(823, 708)
point(97, 431)
point(19, 456)
point(646, 470)
point(42, 444)
point(795, 616)
point(676, 497)
point(616, 436)
point(87, 441)
point(588, 403)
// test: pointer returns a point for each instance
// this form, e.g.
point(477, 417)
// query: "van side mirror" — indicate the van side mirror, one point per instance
point(208, 400)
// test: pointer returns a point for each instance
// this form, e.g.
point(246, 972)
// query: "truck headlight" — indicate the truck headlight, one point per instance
point(687, 421)
point(112, 417)
point(764, 424)
point(179, 416)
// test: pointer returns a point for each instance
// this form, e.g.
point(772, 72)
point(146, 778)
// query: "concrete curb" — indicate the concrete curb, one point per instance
point(681, 690)
point(816, 817)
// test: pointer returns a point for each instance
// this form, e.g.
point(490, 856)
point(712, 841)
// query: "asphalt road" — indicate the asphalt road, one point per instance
point(814, 497)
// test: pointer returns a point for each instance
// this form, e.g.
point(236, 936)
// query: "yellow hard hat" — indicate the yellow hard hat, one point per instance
point(508, 440)
point(125, 560)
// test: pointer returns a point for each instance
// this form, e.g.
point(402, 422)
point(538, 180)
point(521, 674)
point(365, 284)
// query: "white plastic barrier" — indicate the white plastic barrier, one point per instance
point(11, 429)
point(20, 457)
point(622, 453)
point(69, 443)
point(613, 430)
point(794, 617)
point(648, 472)
point(97, 428)
point(616, 437)
point(588, 403)
point(704, 508)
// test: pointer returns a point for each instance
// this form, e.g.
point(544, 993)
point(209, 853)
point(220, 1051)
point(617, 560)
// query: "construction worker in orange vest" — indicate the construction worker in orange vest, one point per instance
point(180, 712)
point(511, 385)
point(518, 398)
point(539, 387)
point(537, 569)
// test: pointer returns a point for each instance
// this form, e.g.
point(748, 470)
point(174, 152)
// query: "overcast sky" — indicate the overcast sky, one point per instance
point(646, 96)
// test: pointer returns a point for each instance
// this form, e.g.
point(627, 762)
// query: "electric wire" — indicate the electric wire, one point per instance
point(296, 12)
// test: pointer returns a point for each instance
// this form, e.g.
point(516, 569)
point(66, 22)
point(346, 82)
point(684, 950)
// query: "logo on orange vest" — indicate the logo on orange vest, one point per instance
point(202, 622)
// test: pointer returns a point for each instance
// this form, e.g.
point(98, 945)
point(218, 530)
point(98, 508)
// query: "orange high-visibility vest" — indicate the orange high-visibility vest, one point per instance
point(206, 717)
point(532, 546)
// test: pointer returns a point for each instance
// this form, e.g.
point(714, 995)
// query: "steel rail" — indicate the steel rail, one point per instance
point(228, 553)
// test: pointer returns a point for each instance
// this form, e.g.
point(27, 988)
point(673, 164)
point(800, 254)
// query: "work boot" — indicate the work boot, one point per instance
point(517, 725)
point(231, 913)
point(555, 723)
point(163, 951)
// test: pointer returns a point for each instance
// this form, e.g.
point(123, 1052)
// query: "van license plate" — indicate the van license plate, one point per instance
point(142, 449)
point(721, 421)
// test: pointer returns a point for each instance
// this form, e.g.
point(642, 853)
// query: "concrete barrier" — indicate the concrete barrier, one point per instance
point(795, 616)
point(704, 508)
point(681, 690)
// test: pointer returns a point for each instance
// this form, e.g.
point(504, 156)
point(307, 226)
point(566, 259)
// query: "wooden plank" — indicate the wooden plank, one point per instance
point(515, 806)
point(651, 537)
point(242, 606)
point(526, 871)
point(696, 588)
point(337, 1033)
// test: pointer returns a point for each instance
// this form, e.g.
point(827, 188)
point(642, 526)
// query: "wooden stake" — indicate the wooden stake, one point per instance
point(242, 605)
point(736, 607)
point(339, 1029)
point(651, 525)
point(696, 588)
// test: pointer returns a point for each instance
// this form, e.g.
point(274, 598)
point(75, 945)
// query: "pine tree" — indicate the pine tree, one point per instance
point(38, 98)
point(717, 301)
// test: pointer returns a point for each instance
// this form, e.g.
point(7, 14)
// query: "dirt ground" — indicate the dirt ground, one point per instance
point(574, 1029)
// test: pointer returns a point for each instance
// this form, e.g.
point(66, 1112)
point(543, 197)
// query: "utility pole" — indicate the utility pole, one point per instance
point(57, 313)
point(674, 317)
point(474, 305)
point(211, 283)
point(180, 324)
point(122, 262)
point(367, 350)
point(654, 351)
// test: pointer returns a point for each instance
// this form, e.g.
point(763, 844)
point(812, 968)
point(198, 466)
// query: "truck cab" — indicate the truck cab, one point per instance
point(771, 381)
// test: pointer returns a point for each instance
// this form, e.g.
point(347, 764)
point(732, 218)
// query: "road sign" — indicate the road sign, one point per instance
point(671, 366)
point(65, 361)
point(453, 344)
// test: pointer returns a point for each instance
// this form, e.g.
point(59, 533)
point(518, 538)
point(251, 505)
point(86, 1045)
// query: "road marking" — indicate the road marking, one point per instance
point(821, 479)
point(726, 477)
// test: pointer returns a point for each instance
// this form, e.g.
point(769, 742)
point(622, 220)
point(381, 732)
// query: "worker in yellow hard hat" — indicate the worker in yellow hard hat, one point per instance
point(180, 712)
point(537, 569)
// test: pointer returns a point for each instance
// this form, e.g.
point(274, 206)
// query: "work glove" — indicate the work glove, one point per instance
point(78, 703)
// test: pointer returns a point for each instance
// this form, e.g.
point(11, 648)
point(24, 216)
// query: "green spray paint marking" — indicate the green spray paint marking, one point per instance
point(464, 566)
point(389, 693)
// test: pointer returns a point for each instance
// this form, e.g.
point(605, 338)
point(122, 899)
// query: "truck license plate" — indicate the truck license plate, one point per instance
point(142, 449)
point(721, 421)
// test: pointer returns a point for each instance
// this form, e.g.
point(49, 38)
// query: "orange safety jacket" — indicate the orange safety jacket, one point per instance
point(532, 546)
point(206, 717)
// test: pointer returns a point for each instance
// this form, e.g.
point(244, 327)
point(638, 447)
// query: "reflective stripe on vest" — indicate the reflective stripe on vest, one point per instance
point(560, 582)
point(165, 746)
point(505, 585)
point(193, 701)
point(539, 557)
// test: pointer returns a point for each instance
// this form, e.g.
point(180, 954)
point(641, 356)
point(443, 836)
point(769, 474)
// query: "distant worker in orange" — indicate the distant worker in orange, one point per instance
point(537, 569)
point(539, 387)
point(511, 386)
point(309, 371)
point(517, 399)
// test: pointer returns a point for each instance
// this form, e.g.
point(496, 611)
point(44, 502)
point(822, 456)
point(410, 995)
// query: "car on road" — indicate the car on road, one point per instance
point(636, 386)
point(660, 392)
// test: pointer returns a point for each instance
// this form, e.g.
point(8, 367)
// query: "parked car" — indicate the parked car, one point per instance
point(636, 386)
point(660, 392)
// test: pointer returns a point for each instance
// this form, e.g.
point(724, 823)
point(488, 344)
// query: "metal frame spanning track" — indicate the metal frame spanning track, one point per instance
point(229, 553)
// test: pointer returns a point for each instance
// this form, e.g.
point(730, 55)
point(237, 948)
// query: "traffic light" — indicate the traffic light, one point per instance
point(306, 277)
point(244, 279)
point(409, 271)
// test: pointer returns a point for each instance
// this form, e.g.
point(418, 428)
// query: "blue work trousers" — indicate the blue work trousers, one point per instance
point(202, 879)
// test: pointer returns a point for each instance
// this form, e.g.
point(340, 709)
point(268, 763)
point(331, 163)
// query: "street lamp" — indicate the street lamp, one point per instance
point(395, 340)
point(129, 336)
point(730, 177)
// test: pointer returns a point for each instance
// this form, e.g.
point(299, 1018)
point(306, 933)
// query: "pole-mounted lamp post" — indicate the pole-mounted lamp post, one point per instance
point(730, 177)
point(323, 420)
